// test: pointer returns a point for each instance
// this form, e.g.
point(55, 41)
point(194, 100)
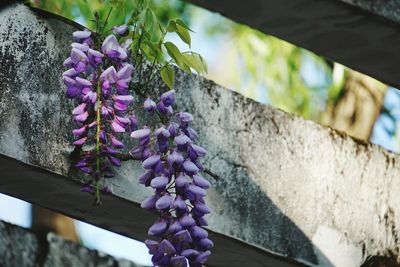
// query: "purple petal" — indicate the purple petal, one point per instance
point(110, 74)
point(198, 191)
point(122, 53)
point(181, 181)
point(202, 258)
point(81, 34)
point(105, 111)
point(198, 232)
point(120, 106)
point(173, 129)
point(78, 56)
point(145, 177)
point(125, 73)
point(201, 152)
point(201, 182)
point(162, 133)
point(122, 121)
point(202, 208)
point(151, 161)
point(201, 221)
point(193, 135)
point(95, 53)
point(80, 142)
point(117, 128)
point(164, 202)
point(116, 143)
point(182, 140)
point(121, 30)
point(185, 117)
point(149, 105)
point(187, 221)
point(109, 151)
point(92, 124)
point(168, 98)
point(166, 110)
point(189, 167)
point(91, 97)
point(68, 81)
point(158, 228)
point(122, 86)
point(206, 243)
point(133, 125)
point(183, 236)
point(175, 227)
point(79, 132)
point(152, 245)
point(179, 203)
point(70, 73)
point(68, 63)
point(110, 43)
point(82, 117)
point(82, 47)
point(80, 67)
point(124, 99)
point(72, 92)
point(190, 253)
point(149, 203)
point(175, 157)
point(83, 82)
point(114, 161)
point(159, 182)
point(179, 261)
point(166, 247)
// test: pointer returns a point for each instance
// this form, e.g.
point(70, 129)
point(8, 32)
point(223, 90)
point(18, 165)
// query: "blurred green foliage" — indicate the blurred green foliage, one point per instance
point(83, 10)
point(256, 63)
point(149, 21)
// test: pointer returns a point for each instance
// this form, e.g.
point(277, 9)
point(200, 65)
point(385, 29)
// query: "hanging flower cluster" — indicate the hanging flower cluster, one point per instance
point(99, 83)
point(172, 162)
point(98, 80)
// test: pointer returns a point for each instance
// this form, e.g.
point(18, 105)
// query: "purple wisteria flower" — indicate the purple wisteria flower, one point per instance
point(99, 81)
point(172, 166)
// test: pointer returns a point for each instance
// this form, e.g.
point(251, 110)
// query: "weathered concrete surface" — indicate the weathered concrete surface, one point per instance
point(289, 187)
point(21, 247)
point(363, 35)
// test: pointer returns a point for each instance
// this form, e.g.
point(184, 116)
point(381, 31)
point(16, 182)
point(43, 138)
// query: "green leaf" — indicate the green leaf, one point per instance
point(148, 19)
point(171, 26)
point(196, 62)
point(168, 76)
point(183, 33)
point(174, 52)
point(183, 24)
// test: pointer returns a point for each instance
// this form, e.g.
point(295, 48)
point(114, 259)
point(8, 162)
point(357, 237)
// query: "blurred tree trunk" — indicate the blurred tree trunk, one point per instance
point(358, 105)
point(45, 221)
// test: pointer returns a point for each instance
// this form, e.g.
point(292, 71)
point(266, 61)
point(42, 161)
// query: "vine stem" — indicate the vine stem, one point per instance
point(98, 120)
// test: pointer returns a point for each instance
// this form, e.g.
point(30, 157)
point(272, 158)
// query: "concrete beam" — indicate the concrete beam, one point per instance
point(361, 34)
point(292, 193)
point(23, 248)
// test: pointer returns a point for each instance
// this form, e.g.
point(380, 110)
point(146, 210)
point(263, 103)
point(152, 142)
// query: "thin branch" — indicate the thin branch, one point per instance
point(213, 175)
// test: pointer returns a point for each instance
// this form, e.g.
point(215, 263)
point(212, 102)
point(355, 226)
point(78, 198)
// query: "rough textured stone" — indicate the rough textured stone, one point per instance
point(288, 186)
point(18, 247)
point(64, 253)
point(21, 247)
point(363, 36)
